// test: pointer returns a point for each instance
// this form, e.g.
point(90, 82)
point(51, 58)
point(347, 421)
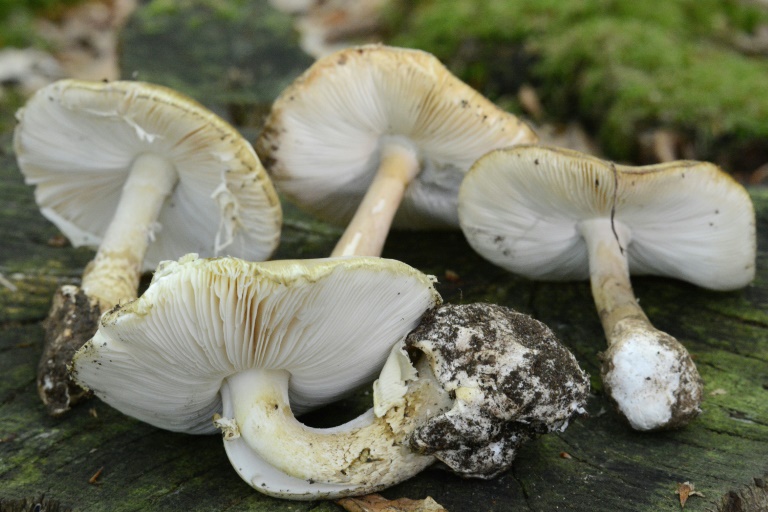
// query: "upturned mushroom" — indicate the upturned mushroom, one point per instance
point(258, 343)
point(557, 214)
point(253, 344)
point(375, 136)
point(144, 174)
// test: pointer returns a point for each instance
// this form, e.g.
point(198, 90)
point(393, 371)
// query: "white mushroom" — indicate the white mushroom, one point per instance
point(258, 343)
point(374, 136)
point(253, 344)
point(554, 214)
point(144, 174)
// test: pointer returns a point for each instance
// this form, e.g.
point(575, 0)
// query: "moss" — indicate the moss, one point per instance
point(31, 299)
point(621, 66)
point(631, 75)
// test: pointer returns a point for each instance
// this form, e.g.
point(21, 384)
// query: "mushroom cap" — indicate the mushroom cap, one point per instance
point(76, 141)
point(330, 322)
point(323, 138)
point(521, 207)
point(511, 378)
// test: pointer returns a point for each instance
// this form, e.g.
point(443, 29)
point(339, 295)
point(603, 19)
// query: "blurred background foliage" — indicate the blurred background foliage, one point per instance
point(17, 17)
point(243, 68)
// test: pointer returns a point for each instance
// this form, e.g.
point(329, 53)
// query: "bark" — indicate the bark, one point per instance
point(73, 319)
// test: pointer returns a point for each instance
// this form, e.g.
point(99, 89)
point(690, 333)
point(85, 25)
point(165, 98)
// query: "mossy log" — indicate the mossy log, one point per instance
point(598, 463)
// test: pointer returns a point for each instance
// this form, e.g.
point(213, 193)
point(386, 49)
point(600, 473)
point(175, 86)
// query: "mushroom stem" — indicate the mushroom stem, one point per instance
point(647, 373)
point(367, 231)
point(360, 456)
point(114, 273)
point(609, 274)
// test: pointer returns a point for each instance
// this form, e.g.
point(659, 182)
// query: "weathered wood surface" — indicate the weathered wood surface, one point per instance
point(609, 468)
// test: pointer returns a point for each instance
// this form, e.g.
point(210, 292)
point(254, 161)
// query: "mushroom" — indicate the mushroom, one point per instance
point(253, 344)
point(258, 343)
point(558, 214)
point(113, 163)
point(375, 136)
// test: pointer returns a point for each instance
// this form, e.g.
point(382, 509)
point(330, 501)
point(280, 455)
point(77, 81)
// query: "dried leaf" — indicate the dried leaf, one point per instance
point(378, 503)
point(95, 478)
point(529, 100)
point(451, 276)
point(685, 490)
point(58, 240)
point(571, 135)
point(84, 37)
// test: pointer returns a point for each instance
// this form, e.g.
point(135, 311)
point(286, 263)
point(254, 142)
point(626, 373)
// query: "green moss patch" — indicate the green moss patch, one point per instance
point(620, 66)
